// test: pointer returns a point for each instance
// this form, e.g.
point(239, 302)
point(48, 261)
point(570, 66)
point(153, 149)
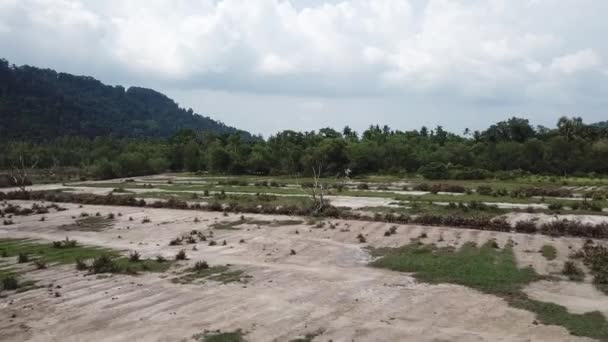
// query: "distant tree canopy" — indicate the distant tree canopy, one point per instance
point(59, 119)
point(42, 104)
point(504, 149)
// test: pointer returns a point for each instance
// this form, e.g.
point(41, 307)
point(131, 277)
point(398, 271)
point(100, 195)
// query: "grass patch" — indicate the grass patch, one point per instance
point(218, 336)
point(489, 270)
point(221, 274)
point(101, 260)
point(236, 224)
point(127, 266)
point(549, 252)
point(49, 252)
point(90, 224)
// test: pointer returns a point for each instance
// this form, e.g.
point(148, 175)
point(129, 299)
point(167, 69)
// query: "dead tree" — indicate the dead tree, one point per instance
point(20, 173)
point(318, 190)
point(54, 169)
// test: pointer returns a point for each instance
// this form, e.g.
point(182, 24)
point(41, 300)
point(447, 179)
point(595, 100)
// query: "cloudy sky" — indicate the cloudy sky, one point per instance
point(268, 65)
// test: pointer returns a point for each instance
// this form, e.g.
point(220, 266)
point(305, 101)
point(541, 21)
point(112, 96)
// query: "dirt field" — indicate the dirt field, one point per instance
point(325, 288)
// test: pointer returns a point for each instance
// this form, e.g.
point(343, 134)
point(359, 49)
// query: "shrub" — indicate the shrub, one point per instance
point(181, 255)
point(81, 265)
point(555, 206)
point(201, 265)
point(392, 230)
point(22, 258)
point(470, 174)
point(40, 264)
point(67, 243)
point(10, 282)
point(438, 187)
point(434, 170)
point(134, 256)
point(572, 271)
point(484, 190)
point(528, 227)
point(362, 186)
point(103, 264)
point(422, 187)
point(160, 258)
point(361, 238)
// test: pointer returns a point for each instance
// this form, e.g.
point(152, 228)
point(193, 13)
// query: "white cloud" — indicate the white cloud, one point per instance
point(471, 50)
point(579, 61)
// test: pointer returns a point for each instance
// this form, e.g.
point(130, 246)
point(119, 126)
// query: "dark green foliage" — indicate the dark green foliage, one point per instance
point(218, 336)
point(549, 252)
point(181, 255)
point(22, 258)
point(40, 104)
point(40, 264)
point(361, 238)
point(596, 258)
point(572, 271)
point(134, 256)
point(200, 265)
point(103, 264)
point(9, 282)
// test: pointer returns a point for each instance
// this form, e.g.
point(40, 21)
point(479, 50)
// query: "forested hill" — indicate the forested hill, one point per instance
point(42, 104)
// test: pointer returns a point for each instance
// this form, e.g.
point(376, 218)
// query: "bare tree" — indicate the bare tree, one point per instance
point(52, 171)
point(20, 172)
point(317, 191)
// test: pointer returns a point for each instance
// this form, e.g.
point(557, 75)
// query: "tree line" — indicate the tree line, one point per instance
point(505, 149)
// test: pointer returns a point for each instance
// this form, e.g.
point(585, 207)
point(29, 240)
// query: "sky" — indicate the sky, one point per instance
point(271, 65)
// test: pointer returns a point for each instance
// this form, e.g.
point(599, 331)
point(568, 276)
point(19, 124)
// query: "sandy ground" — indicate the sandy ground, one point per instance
point(325, 286)
point(513, 218)
point(577, 297)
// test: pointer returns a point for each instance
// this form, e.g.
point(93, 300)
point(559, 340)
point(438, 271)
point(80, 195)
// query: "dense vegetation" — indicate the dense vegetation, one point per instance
point(42, 104)
point(504, 150)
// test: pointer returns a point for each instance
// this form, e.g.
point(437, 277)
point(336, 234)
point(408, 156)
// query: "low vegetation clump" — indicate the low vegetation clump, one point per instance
point(89, 224)
point(391, 231)
point(575, 228)
point(251, 221)
point(218, 336)
point(489, 270)
point(23, 258)
point(309, 337)
point(549, 252)
point(67, 243)
point(202, 271)
point(9, 282)
point(596, 258)
point(572, 271)
point(540, 192)
point(108, 263)
point(181, 255)
point(527, 227)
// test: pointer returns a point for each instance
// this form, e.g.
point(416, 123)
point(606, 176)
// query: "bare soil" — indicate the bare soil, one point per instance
point(326, 285)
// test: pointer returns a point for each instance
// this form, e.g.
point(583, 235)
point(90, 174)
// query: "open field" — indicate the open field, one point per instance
point(265, 277)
